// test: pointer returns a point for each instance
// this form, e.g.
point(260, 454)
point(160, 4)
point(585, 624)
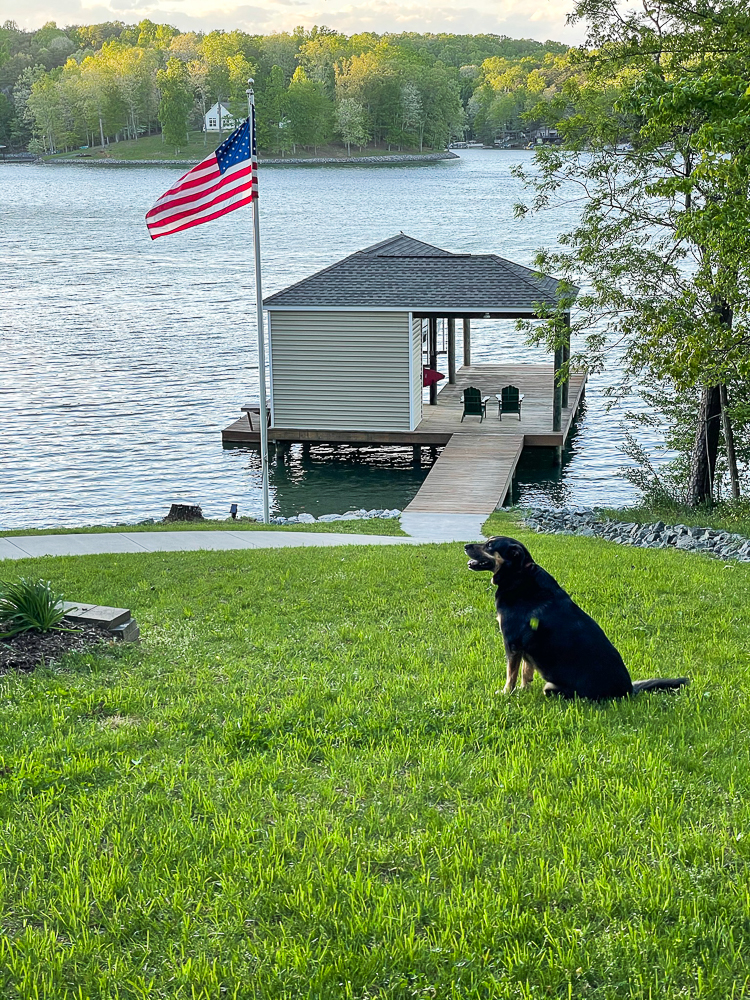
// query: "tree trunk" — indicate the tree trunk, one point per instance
point(705, 448)
point(726, 426)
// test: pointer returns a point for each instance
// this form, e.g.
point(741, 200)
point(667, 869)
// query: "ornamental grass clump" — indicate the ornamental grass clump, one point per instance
point(29, 604)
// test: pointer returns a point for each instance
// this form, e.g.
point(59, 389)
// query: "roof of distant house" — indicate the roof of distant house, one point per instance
point(405, 273)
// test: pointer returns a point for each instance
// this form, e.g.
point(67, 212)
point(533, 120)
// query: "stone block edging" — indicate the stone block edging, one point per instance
point(117, 621)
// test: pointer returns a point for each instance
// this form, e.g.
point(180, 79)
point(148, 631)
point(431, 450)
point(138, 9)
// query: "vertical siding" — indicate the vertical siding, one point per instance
point(340, 370)
point(416, 385)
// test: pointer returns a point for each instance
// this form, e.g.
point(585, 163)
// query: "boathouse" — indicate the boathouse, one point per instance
point(352, 347)
point(346, 344)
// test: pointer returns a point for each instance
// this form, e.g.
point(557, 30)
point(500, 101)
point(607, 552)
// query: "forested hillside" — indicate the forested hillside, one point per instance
point(91, 85)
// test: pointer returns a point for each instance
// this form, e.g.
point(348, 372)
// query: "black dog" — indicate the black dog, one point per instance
point(543, 627)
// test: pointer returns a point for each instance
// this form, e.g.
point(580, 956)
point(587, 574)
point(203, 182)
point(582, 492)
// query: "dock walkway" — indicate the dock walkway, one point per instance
point(471, 476)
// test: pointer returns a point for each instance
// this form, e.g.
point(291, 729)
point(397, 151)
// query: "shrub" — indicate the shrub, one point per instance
point(29, 604)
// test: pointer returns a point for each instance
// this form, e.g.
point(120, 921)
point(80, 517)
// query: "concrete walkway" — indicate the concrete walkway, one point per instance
point(422, 528)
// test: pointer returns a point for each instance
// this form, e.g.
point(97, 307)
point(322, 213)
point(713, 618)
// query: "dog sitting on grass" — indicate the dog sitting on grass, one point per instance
point(545, 630)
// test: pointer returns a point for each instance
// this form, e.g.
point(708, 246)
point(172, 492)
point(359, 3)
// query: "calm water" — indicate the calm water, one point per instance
point(122, 359)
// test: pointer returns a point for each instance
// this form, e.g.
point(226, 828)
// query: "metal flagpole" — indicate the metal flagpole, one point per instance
point(259, 302)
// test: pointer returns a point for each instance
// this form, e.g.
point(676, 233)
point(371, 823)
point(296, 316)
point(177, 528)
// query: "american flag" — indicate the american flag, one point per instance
point(225, 180)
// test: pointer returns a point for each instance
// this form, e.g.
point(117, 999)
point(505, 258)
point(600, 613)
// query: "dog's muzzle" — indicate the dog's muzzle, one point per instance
point(478, 558)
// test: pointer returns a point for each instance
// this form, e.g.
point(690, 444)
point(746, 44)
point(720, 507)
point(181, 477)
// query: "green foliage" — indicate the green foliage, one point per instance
point(305, 783)
point(176, 102)
point(28, 604)
point(413, 89)
point(660, 155)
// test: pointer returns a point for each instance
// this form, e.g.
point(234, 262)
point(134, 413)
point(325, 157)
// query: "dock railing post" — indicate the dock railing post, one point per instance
point(566, 360)
point(451, 350)
point(557, 391)
point(467, 341)
point(432, 349)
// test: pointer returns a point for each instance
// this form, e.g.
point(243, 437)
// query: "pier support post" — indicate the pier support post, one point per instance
point(467, 341)
point(557, 389)
point(416, 455)
point(566, 359)
point(432, 354)
point(451, 350)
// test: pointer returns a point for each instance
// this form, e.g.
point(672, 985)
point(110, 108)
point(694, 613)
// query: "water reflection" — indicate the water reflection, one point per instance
point(325, 479)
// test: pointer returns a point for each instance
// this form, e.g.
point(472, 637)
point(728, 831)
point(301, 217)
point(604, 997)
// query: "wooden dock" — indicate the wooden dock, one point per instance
point(475, 469)
point(472, 475)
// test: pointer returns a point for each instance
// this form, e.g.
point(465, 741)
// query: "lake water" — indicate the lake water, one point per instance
point(122, 358)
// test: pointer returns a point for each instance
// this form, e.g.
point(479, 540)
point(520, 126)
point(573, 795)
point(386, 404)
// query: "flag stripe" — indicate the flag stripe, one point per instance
point(225, 196)
point(225, 180)
point(207, 218)
point(238, 181)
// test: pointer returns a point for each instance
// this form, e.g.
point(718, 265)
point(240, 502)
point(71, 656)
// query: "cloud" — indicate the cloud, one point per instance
point(540, 19)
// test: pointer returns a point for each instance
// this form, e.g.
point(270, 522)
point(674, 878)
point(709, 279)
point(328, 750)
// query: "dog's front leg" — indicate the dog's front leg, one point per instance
point(527, 674)
point(514, 665)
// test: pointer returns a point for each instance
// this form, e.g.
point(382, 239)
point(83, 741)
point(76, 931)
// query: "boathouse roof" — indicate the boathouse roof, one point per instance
point(402, 273)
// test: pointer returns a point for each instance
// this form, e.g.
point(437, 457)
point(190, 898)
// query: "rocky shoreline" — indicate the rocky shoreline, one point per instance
point(586, 523)
point(350, 515)
point(289, 161)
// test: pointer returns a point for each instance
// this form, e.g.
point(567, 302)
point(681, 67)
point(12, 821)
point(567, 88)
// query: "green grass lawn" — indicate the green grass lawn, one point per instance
point(151, 147)
point(370, 526)
point(306, 783)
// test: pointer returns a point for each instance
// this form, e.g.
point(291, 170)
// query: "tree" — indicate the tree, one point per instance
point(351, 124)
point(656, 142)
point(176, 102)
point(198, 74)
point(47, 112)
point(273, 131)
point(310, 111)
point(412, 112)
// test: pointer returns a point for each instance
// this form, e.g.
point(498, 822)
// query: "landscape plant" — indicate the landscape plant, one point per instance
point(27, 604)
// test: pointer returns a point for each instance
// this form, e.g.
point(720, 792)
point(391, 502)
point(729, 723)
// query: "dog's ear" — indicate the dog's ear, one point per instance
point(516, 556)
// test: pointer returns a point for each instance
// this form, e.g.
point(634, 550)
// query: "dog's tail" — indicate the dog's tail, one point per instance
point(659, 684)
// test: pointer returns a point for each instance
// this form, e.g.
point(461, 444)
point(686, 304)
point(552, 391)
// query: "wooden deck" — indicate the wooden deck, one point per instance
point(476, 467)
point(534, 381)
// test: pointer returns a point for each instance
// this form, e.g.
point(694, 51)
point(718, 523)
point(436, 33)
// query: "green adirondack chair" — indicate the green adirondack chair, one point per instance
point(509, 400)
point(475, 405)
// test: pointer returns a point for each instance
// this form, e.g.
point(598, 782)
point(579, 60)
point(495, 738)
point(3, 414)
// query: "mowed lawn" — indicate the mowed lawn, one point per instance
point(306, 783)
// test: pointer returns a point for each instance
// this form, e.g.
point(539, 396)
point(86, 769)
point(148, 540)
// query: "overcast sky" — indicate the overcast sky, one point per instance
point(540, 19)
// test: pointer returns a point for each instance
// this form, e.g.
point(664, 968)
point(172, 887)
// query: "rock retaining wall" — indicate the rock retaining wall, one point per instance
point(350, 515)
point(584, 521)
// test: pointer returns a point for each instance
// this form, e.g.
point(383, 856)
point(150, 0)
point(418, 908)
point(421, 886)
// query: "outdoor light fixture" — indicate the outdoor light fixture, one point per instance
point(233, 511)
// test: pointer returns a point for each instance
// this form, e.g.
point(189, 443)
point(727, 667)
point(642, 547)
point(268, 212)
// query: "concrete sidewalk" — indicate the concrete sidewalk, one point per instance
point(422, 529)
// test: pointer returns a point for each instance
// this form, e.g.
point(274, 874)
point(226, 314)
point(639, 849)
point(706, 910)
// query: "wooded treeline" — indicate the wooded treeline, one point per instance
point(88, 85)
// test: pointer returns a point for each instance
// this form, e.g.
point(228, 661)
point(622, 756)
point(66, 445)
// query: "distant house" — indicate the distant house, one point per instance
point(219, 119)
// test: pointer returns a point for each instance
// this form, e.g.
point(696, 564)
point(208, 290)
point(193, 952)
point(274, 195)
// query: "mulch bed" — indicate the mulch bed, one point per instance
point(28, 649)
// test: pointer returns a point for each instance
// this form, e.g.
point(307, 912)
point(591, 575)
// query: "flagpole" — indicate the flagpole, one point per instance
point(259, 304)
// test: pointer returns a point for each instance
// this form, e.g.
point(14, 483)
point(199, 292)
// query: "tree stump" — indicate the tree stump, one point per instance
point(184, 512)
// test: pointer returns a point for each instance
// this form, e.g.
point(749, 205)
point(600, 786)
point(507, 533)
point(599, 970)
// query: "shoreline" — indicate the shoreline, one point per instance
point(395, 158)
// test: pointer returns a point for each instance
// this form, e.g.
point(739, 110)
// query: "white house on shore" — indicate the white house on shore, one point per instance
point(219, 119)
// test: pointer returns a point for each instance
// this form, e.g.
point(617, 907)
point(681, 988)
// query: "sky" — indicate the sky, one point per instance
point(539, 19)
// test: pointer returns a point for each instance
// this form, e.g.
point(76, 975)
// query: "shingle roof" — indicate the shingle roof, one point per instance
point(404, 273)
